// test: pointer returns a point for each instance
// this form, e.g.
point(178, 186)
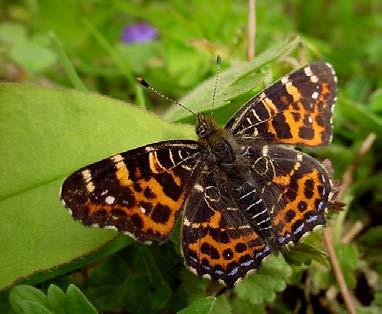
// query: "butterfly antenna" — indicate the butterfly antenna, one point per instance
point(218, 63)
point(147, 85)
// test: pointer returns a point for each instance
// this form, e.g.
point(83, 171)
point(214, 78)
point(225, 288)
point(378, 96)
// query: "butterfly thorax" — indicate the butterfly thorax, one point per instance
point(219, 142)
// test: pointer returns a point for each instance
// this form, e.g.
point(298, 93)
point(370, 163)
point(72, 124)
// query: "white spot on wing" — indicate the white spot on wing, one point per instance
point(315, 95)
point(308, 71)
point(314, 79)
point(110, 200)
point(265, 150)
point(285, 80)
point(111, 228)
point(198, 187)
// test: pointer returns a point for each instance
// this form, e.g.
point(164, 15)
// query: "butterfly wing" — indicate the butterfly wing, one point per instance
point(139, 192)
point(217, 241)
point(296, 110)
point(295, 187)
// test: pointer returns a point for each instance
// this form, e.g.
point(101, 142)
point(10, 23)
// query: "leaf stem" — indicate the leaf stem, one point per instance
point(120, 62)
point(67, 64)
point(338, 272)
point(251, 29)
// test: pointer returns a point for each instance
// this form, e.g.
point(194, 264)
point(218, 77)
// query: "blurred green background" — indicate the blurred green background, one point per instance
point(101, 46)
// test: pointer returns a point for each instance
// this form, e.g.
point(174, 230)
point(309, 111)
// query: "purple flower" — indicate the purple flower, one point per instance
point(138, 32)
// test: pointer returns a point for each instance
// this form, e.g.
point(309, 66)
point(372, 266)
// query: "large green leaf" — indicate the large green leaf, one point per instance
point(45, 135)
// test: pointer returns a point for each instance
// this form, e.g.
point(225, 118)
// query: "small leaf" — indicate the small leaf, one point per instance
point(229, 83)
point(373, 237)
point(126, 278)
point(375, 101)
point(201, 306)
point(348, 259)
point(222, 305)
point(32, 57)
point(56, 299)
point(31, 307)
point(304, 254)
point(363, 121)
point(263, 285)
point(25, 297)
point(76, 302)
point(246, 307)
point(12, 33)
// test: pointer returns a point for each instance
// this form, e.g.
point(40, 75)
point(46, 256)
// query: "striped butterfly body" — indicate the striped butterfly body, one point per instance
point(246, 192)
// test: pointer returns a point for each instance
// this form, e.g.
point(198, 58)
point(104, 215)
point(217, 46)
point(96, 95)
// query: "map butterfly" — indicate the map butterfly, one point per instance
point(245, 190)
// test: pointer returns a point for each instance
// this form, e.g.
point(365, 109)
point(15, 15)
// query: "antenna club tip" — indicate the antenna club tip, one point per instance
point(218, 59)
point(143, 82)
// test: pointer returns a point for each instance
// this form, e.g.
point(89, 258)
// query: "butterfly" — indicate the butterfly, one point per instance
point(245, 190)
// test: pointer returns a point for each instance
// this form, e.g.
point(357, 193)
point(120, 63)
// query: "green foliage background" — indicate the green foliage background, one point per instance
point(56, 60)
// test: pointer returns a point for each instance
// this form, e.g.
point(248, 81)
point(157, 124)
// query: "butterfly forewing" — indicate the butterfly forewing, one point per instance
point(295, 110)
point(139, 192)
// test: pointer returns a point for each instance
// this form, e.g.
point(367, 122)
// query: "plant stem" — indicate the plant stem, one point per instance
point(347, 180)
point(66, 64)
point(251, 29)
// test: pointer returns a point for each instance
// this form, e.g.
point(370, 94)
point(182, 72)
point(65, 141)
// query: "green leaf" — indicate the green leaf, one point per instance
point(56, 299)
point(304, 253)
point(32, 57)
point(76, 301)
point(361, 121)
point(67, 64)
point(263, 285)
point(47, 134)
point(126, 278)
point(201, 306)
point(12, 33)
point(373, 237)
point(222, 305)
point(231, 84)
point(348, 259)
point(27, 299)
point(30, 307)
point(376, 101)
point(246, 307)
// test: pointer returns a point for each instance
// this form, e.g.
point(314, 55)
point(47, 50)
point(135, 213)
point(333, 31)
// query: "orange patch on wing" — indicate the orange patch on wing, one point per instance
point(290, 119)
point(213, 222)
point(155, 165)
point(293, 91)
point(221, 247)
point(293, 205)
point(145, 214)
point(122, 173)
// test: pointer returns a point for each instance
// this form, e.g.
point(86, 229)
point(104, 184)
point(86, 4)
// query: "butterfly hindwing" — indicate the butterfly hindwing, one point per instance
point(295, 110)
point(217, 241)
point(139, 192)
point(295, 187)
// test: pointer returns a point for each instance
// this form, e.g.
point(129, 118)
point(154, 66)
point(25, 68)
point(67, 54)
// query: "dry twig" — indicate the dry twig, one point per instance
point(347, 180)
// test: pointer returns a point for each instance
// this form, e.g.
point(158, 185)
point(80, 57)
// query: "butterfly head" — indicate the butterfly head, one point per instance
point(205, 126)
